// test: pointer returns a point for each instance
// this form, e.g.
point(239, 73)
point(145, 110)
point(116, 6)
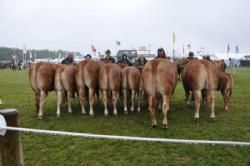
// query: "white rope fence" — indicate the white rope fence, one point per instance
point(128, 138)
point(4, 128)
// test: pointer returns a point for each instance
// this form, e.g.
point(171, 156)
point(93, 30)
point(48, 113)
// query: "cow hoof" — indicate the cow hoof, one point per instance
point(92, 115)
point(164, 126)
point(212, 120)
point(58, 115)
point(125, 112)
point(106, 115)
point(196, 120)
point(154, 126)
point(115, 114)
point(39, 117)
point(84, 113)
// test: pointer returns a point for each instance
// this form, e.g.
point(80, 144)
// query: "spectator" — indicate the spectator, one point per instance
point(141, 61)
point(108, 57)
point(88, 56)
point(161, 53)
point(124, 60)
point(69, 59)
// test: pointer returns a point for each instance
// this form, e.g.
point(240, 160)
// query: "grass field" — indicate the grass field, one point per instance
point(41, 150)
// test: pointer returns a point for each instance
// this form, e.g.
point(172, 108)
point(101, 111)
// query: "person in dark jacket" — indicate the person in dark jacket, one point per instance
point(69, 59)
point(124, 60)
point(161, 53)
point(108, 57)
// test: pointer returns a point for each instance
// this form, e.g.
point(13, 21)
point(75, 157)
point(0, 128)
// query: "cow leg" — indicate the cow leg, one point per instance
point(139, 101)
point(151, 106)
point(226, 97)
point(37, 100)
point(132, 109)
point(187, 96)
point(59, 101)
point(91, 101)
point(125, 101)
point(197, 98)
point(114, 100)
point(210, 98)
point(82, 99)
point(165, 108)
point(69, 95)
point(41, 104)
point(105, 102)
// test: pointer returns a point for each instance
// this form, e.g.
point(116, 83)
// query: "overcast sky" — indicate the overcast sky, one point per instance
point(75, 25)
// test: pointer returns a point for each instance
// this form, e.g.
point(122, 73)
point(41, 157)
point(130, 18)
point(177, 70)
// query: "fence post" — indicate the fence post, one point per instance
point(10, 144)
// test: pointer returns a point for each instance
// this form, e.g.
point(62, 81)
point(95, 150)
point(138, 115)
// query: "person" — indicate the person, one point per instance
point(161, 53)
point(69, 59)
point(124, 60)
point(108, 57)
point(190, 56)
point(88, 56)
point(140, 61)
point(207, 57)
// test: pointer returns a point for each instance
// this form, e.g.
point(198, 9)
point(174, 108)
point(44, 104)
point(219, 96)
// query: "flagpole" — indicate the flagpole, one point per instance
point(173, 45)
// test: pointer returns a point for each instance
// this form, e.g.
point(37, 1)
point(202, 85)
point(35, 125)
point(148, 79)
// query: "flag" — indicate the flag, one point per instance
point(93, 48)
point(237, 49)
point(173, 34)
point(118, 43)
point(228, 48)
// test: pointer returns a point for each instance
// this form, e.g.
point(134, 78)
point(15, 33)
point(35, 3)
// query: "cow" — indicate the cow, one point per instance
point(41, 78)
point(159, 77)
point(87, 73)
point(109, 84)
point(131, 81)
point(199, 75)
point(65, 85)
point(225, 86)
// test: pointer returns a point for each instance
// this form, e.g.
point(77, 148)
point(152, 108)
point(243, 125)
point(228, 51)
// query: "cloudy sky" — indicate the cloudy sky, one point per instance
point(75, 25)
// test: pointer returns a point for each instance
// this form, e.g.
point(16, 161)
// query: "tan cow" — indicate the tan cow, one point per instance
point(225, 86)
point(131, 81)
point(159, 76)
point(87, 73)
point(201, 75)
point(41, 77)
point(109, 84)
point(65, 85)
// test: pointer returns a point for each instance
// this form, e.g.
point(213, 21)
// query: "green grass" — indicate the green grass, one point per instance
point(15, 92)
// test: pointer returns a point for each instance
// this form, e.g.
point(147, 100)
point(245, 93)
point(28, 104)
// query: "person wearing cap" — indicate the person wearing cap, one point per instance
point(161, 53)
point(69, 59)
point(108, 57)
point(88, 56)
point(124, 60)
